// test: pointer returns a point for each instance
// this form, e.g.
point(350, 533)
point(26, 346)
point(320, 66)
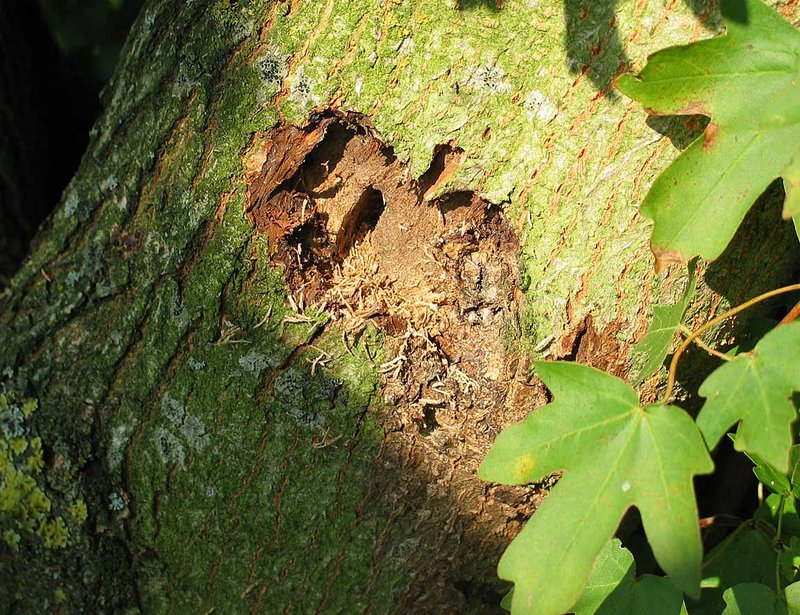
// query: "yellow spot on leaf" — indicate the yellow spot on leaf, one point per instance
point(525, 465)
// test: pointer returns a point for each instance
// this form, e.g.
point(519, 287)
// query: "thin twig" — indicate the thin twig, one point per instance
point(673, 366)
point(716, 353)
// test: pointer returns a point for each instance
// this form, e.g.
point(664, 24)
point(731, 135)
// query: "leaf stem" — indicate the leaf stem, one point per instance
point(673, 366)
point(781, 507)
point(715, 353)
point(765, 528)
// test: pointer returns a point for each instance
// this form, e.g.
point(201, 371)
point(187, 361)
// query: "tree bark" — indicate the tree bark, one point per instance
point(275, 324)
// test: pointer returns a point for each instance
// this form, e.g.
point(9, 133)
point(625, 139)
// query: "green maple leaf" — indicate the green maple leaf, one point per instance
point(756, 388)
point(660, 334)
point(613, 588)
point(748, 82)
point(757, 599)
point(746, 555)
point(614, 455)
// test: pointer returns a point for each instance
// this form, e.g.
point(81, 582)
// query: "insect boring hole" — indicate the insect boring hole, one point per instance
point(435, 270)
point(360, 221)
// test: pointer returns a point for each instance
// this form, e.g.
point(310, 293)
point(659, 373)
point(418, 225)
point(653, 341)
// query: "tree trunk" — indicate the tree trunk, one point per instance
point(292, 294)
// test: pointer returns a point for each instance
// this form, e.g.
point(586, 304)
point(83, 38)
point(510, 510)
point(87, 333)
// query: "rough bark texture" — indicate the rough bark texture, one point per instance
point(274, 324)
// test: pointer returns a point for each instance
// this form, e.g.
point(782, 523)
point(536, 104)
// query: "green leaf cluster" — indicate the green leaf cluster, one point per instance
point(745, 572)
point(616, 454)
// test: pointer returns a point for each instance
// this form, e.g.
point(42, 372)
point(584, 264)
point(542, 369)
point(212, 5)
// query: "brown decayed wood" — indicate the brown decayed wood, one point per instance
point(357, 238)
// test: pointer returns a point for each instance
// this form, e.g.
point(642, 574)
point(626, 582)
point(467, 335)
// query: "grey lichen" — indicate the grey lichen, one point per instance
point(12, 422)
point(489, 79)
point(272, 67)
point(116, 502)
point(173, 410)
point(196, 365)
point(540, 106)
point(71, 204)
point(255, 362)
point(169, 448)
point(119, 439)
point(195, 432)
point(302, 90)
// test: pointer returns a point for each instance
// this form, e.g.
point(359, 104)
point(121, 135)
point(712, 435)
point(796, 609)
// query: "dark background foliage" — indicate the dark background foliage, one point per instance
point(57, 55)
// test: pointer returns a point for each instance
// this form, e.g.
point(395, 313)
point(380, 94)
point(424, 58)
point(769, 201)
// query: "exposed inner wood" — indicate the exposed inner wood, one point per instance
point(359, 239)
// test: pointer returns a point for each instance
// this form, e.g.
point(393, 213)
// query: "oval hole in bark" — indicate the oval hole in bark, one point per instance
point(360, 221)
